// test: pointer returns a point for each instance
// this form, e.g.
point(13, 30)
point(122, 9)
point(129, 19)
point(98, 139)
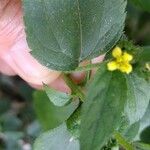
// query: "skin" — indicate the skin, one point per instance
point(15, 58)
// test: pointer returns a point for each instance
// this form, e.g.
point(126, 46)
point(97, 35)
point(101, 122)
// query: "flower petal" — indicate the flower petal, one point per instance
point(112, 66)
point(127, 57)
point(117, 52)
point(126, 68)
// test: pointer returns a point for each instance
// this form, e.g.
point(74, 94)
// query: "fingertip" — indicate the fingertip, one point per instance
point(5, 68)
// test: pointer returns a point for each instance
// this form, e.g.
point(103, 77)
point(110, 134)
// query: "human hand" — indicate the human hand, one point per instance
point(15, 58)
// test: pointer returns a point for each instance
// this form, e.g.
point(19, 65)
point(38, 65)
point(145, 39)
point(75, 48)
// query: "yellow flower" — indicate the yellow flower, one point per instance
point(121, 61)
point(127, 57)
point(117, 52)
point(126, 68)
point(112, 65)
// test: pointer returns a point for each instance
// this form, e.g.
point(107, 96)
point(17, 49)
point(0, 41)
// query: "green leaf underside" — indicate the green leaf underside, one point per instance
point(138, 97)
point(49, 115)
point(56, 97)
point(61, 33)
point(57, 139)
point(102, 109)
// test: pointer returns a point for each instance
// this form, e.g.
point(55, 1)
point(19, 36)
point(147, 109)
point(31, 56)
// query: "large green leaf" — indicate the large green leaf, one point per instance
point(56, 139)
point(103, 108)
point(50, 115)
point(138, 97)
point(61, 33)
point(144, 4)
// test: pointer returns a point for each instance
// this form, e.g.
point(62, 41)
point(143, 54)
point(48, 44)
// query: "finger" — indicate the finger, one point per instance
point(27, 67)
point(6, 69)
point(14, 49)
point(59, 84)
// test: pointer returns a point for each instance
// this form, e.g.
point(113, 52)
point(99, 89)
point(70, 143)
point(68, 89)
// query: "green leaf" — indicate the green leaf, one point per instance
point(145, 135)
point(138, 97)
point(131, 132)
point(74, 123)
point(10, 122)
point(144, 131)
point(103, 108)
point(56, 97)
point(142, 146)
point(144, 4)
point(57, 139)
point(145, 55)
point(61, 33)
point(75, 89)
point(123, 142)
point(145, 121)
point(49, 115)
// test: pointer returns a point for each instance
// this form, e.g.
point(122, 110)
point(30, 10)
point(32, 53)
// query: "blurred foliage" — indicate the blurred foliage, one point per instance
point(18, 125)
point(137, 25)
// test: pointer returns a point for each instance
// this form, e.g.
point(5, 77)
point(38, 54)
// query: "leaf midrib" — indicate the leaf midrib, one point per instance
point(101, 111)
point(80, 27)
point(97, 122)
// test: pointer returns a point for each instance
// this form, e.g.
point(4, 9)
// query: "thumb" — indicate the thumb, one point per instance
point(14, 49)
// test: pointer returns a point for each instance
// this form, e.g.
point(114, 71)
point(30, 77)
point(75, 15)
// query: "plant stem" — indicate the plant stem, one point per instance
point(85, 68)
point(123, 142)
point(75, 89)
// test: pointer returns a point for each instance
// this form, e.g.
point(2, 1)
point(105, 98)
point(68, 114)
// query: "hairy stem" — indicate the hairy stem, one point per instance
point(75, 88)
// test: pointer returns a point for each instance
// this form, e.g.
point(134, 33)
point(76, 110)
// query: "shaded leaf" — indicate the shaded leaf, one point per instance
point(74, 123)
point(49, 115)
point(56, 139)
point(145, 121)
point(144, 4)
point(144, 131)
point(145, 55)
point(145, 135)
point(142, 146)
point(127, 130)
point(56, 97)
point(132, 131)
point(138, 98)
